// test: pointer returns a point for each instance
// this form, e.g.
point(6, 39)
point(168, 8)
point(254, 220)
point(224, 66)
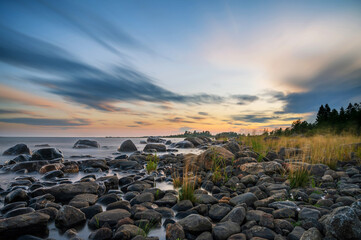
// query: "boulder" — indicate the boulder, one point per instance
point(223, 230)
point(110, 217)
point(236, 215)
point(311, 234)
point(128, 232)
point(343, 223)
point(65, 192)
point(248, 198)
point(47, 154)
point(184, 144)
point(232, 146)
point(85, 143)
point(195, 140)
point(101, 234)
point(30, 166)
point(155, 147)
point(205, 160)
point(18, 149)
point(16, 196)
point(34, 223)
point(174, 232)
point(68, 217)
point(155, 140)
point(195, 224)
point(127, 146)
point(150, 215)
point(219, 211)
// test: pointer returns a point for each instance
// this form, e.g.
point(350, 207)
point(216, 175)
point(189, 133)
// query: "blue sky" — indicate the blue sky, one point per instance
point(151, 67)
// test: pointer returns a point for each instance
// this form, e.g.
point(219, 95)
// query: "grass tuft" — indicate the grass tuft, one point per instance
point(152, 163)
point(299, 177)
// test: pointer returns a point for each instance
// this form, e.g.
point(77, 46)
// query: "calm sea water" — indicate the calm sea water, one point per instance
point(108, 146)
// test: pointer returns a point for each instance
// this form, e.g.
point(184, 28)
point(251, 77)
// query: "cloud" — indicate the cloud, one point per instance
point(183, 129)
point(244, 98)
point(178, 120)
point(83, 83)
point(253, 118)
point(196, 117)
point(97, 28)
point(142, 123)
point(46, 121)
point(203, 113)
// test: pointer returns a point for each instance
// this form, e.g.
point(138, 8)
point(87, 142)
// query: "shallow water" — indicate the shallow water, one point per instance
point(108, 148)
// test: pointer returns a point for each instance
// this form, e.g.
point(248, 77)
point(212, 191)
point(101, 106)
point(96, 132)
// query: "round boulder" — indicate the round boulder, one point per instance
point(85, 143)
point(127, 146)
point(47, 154)
point(18, 149)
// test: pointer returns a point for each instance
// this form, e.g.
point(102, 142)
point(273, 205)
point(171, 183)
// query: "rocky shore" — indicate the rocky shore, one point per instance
point(116, 198)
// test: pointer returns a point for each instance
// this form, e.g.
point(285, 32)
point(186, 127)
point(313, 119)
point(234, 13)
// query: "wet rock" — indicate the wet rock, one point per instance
point(124, 164)
point(150, 215)
point(154, 147)
point(17, 150)
point(183, 205)
point(16, 196)
point(184, 144)
point(225, 229)
point(47, 154)
point(91, 211)
point(343, 223)
point(101, 234)
point(236, 215)
point(53, 174)
point(155, 140)
point(68, 217)
point(127, 232)
point(284, 213)
point(50, 211)
point(10, 206)
point(143, 197)
point(205, 236)
point(22, 158)
point(119, 205)
point(86, 197)
point(169, 200)
point(110, 217)
point(94, 163)
point(65, 192)
point(85, 143)
point(29, 166)
point(50, 167)
point(195, 223)
point(18, 211)
point(108, 198)
point(31, 223)
point(127, 146)
point(174, 232)
point(248, 198)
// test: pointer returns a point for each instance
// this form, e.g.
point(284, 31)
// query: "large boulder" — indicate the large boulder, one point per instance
point(154, 147)
point(184, 144)
point(66, 192)
point(68, 217)
point(155, 140)
point(205, 160)
point(232, 146)
point(195, 224)
point(195, 140)
point(128, 232)
point(18, 149)
point(47, 154)
point(343, 223)
point(236, 215)
point(110, 217)
point(34, 223)
point(85, 143)
point(127, 146)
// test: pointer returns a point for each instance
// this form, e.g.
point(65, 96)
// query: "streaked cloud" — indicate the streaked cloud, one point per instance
point(46, 121)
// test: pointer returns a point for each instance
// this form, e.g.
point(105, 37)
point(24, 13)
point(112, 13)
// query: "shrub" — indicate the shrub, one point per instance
point(152, 163)
point(187, 191)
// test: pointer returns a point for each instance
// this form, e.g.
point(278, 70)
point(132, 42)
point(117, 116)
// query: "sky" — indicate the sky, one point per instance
point(136, 68)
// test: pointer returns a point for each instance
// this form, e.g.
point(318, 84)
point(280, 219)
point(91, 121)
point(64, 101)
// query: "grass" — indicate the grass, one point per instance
point(152, 163)
point(147, 227)
point(327, 149)
point(299, 177)
point(186, 192)
point(218, 167)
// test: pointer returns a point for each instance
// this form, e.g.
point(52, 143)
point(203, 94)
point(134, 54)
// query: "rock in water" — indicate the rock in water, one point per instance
point(68, 217)
point(65, 192)
point(17, 150)
point(85, 143)
point(34, 223)
point(154, 146)
point(110, 217)
point(127, 146)
point(184, 144)
point(195, 224)
point(47, 154)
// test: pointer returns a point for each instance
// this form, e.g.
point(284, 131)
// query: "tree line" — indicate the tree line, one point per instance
point(327, 120)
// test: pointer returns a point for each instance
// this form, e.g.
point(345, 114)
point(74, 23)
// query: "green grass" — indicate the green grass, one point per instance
point(152, 163)
point(147, 227)
point(186, 192)
point(299, 178)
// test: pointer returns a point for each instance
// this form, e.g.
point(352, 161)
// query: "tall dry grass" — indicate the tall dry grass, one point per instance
point(326, 149)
